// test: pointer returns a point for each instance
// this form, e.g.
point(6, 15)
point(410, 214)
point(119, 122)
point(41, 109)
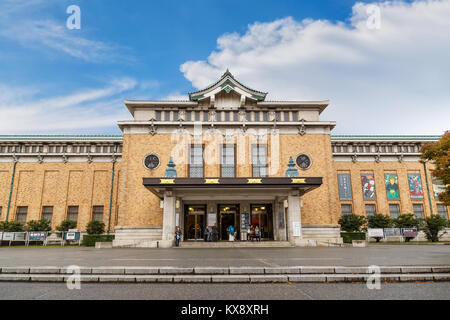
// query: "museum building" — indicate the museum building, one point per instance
point(227, 156)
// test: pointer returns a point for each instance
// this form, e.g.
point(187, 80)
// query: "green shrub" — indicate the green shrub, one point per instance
point(352, 222)
point(39, 225)
point(66, 225)
point(95, 227)
point(349, 236)
point(11, 226)
point(432, 226)
point(89, 240)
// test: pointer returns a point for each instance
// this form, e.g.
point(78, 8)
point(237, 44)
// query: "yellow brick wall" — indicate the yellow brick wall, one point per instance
point(59, 185)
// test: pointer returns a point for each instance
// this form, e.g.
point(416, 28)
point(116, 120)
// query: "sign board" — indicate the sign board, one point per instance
point(375, 233)
point(37, 236)
point(392, 232)
point(8, 236)
point(409, 232)
point(71, 235)
point(20, 236)
point(1, 235)
point(296, 228)
point(245, 221)
point(212, 220)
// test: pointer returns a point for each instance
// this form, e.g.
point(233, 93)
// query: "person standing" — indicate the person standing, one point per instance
point(177, 235)
point(230, 231)
point(206, 234)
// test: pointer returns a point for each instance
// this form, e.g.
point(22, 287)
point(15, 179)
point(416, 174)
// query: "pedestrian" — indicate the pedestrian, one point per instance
point(206, 234)
point(257, 233)
point(230, 231)
point(215, 234)
point(177, 235)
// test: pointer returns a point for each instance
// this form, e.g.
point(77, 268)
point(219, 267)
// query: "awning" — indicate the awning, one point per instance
point(279, 185)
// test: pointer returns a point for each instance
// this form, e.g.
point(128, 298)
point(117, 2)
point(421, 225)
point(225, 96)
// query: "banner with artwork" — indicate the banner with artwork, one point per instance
point(391, 182)
point(438, 187)
point(345, 187)
point(415, 186)
point(368, 186)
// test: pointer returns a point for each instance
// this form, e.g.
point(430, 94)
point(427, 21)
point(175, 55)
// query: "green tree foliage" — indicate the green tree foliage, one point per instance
point(352, 222)
point(432, 226)
point(379, 221)
point(439, 153)
point(11, 226)
point(66, 225)
point(95, 227)
point(39, 225)
point(406, 220)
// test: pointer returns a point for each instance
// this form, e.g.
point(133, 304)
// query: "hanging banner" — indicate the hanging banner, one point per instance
point(391, 182)
point(415, 186)
point(345, 187)
point(438, 187)
point(368, 186)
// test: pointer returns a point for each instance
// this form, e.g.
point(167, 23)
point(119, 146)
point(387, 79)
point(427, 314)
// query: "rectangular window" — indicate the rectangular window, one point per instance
point(175, 116)
point(418, 210)
point(197, 115)
point(235, 116)
point(21, 215)
point(205, 115)
point(394, 211)
point(47, 212)
point(278, 115)
point(370, 210)
point(286, 115)
point(259, 160)
point(188, 115)
point(158, 115)
point(247, 116)
point(264, 115)
point(97, 213)
point(294, 116)
point(228, 160)
point(442, 211)
point(72, 213)
point(227, 116)
point(166, 115)
point(346, 209)
point(196, 161)
point(256, 116)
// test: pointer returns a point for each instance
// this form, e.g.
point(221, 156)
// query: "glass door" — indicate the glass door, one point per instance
point(229, 216)
point(261, 216)
point(194, 221)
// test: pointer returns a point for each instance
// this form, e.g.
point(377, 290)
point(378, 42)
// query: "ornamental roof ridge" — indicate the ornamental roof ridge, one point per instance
point(226, 74)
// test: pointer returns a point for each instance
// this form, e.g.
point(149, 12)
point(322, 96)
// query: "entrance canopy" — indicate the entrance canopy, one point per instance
point(276, 186)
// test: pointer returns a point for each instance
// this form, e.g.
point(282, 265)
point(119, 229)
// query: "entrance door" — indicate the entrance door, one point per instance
point(228, 215)
point(261, 216)
point(194, 221)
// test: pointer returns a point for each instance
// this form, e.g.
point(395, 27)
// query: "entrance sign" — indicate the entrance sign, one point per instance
point(375, 233)
point(296, 228)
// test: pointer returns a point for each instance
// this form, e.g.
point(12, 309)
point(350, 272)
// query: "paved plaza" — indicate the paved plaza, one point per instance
point(259, 257)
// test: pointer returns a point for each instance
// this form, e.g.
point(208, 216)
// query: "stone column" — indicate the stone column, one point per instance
point(168, 220)
point(294, 217)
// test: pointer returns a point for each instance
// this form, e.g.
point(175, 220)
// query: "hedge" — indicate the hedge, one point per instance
point(349, 236)
point(89, 240)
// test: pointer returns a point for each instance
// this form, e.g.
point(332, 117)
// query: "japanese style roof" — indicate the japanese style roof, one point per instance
point(228, 83)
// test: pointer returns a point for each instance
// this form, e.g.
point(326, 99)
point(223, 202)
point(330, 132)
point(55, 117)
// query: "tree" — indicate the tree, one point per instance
point(439, 153)
point(95, 227)
point(352, 222)
point(379, 221)
point(39, 225)
point(66, 225)
point(432, 226)
point(11, 226)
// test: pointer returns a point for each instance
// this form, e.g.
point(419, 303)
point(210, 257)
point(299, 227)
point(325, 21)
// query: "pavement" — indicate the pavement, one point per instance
point(383, 255)
point(295, 291)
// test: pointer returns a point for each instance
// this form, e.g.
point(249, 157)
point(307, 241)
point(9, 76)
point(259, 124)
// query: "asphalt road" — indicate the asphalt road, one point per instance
point(189, 257)
point(342, 291)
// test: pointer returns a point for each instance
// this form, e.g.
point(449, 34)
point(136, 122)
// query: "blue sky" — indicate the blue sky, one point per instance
point(73, 81)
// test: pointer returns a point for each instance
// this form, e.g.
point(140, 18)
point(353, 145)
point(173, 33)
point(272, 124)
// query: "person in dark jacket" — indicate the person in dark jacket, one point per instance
point(177, 235)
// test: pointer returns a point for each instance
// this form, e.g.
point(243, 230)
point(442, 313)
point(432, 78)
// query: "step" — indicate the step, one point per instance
point(235, 244)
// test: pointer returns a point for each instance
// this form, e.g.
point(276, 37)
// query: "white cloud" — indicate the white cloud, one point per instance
point(35, 31)
point(21, 112)
point(394, 80)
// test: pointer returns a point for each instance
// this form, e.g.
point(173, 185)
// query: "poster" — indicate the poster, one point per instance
point(415, 186)
point(281, 219)
point(296, 229)
point(345, 187)
point(375, 233)
point(391, 182)
point(212, 220)
point(392, 232)
point(368, 186)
